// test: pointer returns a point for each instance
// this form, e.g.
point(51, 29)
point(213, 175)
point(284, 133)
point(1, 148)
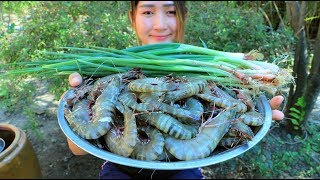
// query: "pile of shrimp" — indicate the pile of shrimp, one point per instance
point(161, 118)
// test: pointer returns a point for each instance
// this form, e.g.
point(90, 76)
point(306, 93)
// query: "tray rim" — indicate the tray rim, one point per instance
point(159, 165)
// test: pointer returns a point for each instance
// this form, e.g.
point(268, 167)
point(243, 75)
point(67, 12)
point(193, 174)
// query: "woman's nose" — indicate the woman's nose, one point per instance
point(160, 22)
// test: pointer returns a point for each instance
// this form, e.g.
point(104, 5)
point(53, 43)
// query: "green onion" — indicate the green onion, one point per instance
point(227, 68)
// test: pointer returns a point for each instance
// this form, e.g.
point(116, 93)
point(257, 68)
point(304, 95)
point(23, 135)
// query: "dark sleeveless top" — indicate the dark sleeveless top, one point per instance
point(146, 173)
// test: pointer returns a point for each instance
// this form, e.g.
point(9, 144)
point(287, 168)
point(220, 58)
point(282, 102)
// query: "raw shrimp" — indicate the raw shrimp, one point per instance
point(240, 129)
point(122, 140)
point(166, 108)
point(194, 106)
point(223, 102)
point(79, 119)
point(188, 89)
point(169, 125)
point(105, 105)
point(172, 126)
point(130, 99)
point(101, 83)
point(75, 94)
point(230, 142)
point(252, 118)
point(218, 97)
point(150, 144)
point(238, 133)
point(205, 142)
point(151, 85)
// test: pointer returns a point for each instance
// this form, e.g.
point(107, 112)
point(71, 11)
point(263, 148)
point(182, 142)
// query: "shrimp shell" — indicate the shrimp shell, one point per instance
point(151, 85)
point(105, 105)
point(165, 156)
point(170, 125)
point(166, 108)
point(80, 121)
point(230, 142)
point(152, 149)
point(130, 100)
point(205, 142)
point(100, 84)
point(224, 102)
point(123, 142)
point(212, 93)
point(185, 90)
point(195, 107)
point(73, 95)
point(252, 118)
point(240, 129)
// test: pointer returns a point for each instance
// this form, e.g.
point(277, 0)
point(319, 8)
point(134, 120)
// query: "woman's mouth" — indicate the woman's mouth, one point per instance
point(160, 38)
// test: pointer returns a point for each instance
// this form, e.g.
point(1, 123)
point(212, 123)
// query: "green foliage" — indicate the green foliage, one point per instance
point(17, 7)
point(223, 26)
point(297, 113)
point(80, 24)
point(295, 157)
point(15, 94)
point(59, 23)
point(32, 122)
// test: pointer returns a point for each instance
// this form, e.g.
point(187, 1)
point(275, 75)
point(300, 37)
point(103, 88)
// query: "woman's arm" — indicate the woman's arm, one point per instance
point(75, 149)
point(75, 79)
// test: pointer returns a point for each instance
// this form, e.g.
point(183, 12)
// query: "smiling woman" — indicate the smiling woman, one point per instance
point(154, 22)
point(158, 21)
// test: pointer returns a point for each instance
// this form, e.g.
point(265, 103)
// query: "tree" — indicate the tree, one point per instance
point(302, 94)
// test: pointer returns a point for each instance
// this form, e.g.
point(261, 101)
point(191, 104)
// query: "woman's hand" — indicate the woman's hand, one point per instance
point(275, 102)
point(75, 79)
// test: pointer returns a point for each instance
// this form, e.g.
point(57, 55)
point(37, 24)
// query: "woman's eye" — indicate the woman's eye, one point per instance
point(147, 13)
point(171, 12)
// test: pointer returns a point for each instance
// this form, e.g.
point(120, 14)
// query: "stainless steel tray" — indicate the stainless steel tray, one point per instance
point(262, 105)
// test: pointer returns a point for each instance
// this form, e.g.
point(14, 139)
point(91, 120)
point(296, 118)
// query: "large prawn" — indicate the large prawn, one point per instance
point(205, 142)
point(122, 140)
point(151, 98)
point(105, 105)
point(151, 85)
point(186, 89)
point(169, 125)
point(222, 100)
point(172, 126)
point(150, 144)
point(79, 118)
point(130, 99)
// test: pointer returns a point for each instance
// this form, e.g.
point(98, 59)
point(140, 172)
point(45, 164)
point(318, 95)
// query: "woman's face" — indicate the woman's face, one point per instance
point(155, 22)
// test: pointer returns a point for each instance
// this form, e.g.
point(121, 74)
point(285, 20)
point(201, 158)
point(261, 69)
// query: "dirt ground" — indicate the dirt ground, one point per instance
point(57, 161)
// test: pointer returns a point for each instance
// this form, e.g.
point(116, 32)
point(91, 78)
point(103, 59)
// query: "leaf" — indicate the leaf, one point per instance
point(295, 110)
point(296, 116)
point(301, 102)
point(295, 122)
point(296, 128)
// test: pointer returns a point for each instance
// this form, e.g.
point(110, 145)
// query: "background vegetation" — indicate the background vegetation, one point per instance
point(225, 25)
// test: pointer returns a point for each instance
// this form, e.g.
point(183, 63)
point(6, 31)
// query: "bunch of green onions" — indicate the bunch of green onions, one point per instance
point(226, 68)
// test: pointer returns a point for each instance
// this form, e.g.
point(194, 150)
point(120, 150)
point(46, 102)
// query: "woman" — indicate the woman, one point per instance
point(156, 22)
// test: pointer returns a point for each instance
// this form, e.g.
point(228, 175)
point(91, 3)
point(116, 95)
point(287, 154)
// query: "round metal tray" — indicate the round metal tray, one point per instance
point(262, 105)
